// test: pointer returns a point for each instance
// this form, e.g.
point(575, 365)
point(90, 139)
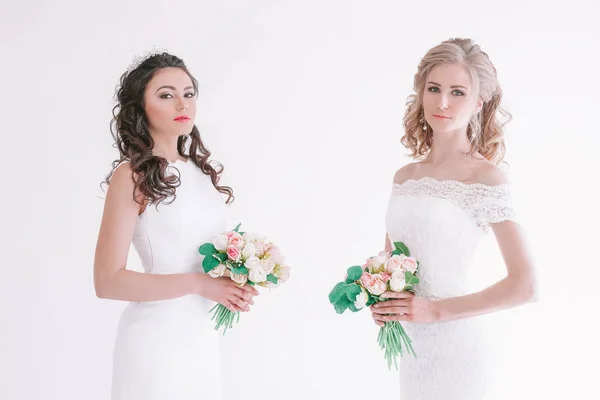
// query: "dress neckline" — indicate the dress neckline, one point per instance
point(449, 181)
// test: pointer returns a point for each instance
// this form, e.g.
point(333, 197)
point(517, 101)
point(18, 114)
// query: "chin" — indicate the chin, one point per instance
point(443, 128)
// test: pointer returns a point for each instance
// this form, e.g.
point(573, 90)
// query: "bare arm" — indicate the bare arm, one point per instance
point(518, 287)
point(388, 244)
point(111, 278)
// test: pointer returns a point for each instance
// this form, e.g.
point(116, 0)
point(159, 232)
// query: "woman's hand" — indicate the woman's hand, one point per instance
point(226, 292)
point(405, 306)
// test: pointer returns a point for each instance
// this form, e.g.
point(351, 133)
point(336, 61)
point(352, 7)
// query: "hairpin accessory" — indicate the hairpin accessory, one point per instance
point(140, 58)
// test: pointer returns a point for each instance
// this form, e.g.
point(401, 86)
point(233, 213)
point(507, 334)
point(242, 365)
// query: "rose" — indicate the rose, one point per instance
point(249, 251)
point(274, 254)
point(257, 275)
point(221, 242)
point(250, 237)
point(397, 282)
point(256, 272)
point(261, 248)
point(233, 253)
point(282, 272)
point(385, 276)
point(373, 283)
point(252, 262)
point(236, 240)
point(394, 263)
point(240, 279)
point(361, 299)
point(375, 264)
point(410, 264)
point(267, 265)
point(218, 271)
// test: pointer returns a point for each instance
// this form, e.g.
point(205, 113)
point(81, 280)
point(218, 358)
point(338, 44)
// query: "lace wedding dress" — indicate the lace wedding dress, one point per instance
point(443, 223)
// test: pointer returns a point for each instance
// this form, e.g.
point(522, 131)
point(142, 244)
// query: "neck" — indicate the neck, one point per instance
point(165, 146)
point(448, 147)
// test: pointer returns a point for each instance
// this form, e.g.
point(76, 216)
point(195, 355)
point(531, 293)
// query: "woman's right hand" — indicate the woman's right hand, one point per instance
point(226, 292)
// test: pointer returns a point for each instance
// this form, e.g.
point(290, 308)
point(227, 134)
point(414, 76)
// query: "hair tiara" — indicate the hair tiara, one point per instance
point(140, 58)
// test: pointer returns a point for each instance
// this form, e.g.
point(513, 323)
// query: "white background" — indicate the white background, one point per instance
point(304, 99)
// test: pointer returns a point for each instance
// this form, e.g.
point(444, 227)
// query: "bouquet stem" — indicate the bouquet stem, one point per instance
point(224, 317)
point(394, 340)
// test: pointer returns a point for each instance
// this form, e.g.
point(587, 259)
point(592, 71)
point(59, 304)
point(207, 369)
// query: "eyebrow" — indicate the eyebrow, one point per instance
point(452, 87)
point(172, 88)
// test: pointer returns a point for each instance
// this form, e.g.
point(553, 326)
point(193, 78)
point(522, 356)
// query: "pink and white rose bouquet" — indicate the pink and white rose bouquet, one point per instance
point(394, 271)
point(246, 258)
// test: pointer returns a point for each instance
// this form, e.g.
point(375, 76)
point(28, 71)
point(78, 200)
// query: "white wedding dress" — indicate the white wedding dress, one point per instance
point(443, 223)
point(168, 350)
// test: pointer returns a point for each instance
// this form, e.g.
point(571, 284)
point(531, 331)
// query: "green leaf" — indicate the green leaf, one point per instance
point(355, 273)
point(222, 257)
point(237, 228)
point(401, 247)
point(338, 291)
point(352, 291)
point(342, 304)
point(371, 301)
point(272, 278)
point(348, 280)
point(239, 270)
point(410, 278)
point(353, 308)
point(207, 249)
point(209, 263)
point(396, 253)
point(250, 283)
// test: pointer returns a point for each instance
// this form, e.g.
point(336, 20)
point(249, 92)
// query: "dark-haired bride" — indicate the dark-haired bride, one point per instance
point(164, 198)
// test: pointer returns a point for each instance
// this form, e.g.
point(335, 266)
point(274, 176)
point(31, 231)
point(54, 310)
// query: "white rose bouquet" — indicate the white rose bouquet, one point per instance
point(395, 271)
point(248, 259)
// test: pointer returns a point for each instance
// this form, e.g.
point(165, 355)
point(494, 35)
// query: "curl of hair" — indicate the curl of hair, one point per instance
point(486, 128)
point(129, 128)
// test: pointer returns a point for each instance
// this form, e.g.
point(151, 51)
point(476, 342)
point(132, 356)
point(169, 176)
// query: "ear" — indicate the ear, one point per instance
point(479, 105)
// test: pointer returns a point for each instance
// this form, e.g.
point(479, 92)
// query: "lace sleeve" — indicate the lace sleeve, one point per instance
point(496, 205)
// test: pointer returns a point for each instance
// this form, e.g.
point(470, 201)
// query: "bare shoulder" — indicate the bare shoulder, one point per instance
point(491, 175)
point(406, 172)
point(122, 175)
point(122, 184)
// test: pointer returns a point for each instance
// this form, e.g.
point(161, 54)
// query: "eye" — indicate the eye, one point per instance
point(457, 92)
point(433, 89)
point(166, 96)
point(190, 95)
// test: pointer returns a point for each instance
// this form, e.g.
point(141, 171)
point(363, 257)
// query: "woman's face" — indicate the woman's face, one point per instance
point(170, 102)
point(449, 98)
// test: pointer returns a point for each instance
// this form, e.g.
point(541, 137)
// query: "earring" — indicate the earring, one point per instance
point(424, 124)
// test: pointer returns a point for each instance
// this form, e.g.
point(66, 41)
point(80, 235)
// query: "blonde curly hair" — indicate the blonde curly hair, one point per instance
point(485, 129)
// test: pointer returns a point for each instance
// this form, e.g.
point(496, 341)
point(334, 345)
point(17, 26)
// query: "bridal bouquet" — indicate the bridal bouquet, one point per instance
point(394, 271)
point(246, 258)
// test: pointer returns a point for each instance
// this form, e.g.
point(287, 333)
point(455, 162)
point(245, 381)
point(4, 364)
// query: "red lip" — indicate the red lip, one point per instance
point(182, 118)
point(438, 116)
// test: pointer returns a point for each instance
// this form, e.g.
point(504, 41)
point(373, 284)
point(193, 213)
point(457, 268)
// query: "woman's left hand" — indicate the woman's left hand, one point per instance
point(405, 306)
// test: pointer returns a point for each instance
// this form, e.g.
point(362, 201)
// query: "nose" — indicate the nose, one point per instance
point(182, 106)
point(442, 103)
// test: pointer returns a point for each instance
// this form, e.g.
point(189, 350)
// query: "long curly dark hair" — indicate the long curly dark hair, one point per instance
point(129, 128)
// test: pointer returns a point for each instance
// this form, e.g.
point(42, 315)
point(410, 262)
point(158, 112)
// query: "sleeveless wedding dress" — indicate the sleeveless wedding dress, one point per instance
point(167, 350)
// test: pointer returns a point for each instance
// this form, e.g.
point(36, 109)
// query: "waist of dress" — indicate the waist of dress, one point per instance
point(180, 307)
